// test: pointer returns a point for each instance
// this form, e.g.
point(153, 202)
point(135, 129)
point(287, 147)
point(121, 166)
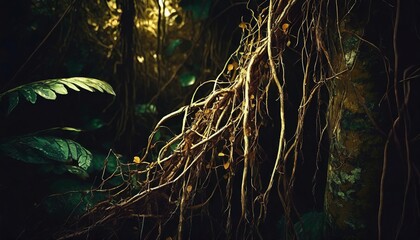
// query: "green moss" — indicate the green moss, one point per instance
point(351, 46)
point(350, 43)
point(340, 182)
point(355, 122)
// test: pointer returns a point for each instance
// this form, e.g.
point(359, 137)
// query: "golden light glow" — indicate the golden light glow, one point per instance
point(169, 10)
point(140, 59)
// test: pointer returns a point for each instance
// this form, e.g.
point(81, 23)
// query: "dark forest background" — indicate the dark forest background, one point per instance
point(154, 67)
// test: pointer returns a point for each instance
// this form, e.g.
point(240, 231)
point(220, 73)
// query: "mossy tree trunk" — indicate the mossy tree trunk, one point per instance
point(356, 142)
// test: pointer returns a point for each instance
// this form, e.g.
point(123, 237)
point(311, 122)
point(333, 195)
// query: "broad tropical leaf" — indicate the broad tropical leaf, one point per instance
point(49, 89)
point(41, 150)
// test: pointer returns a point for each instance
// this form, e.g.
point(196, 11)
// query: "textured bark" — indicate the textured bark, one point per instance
point(356, 143)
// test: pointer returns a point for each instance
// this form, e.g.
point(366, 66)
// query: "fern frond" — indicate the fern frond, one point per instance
point(49, 89)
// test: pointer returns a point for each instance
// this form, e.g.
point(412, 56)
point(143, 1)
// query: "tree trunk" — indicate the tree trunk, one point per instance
point(126, 90)
point(356, 143)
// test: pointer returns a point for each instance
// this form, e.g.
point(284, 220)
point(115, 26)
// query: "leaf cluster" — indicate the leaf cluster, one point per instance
point(64, 155)
point(48, 89)
point(62, 161)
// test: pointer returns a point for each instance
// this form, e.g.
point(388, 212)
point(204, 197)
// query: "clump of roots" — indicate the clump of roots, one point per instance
point(217, 141)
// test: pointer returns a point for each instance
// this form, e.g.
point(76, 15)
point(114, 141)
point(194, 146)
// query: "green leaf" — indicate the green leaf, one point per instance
point(82, 84)
point(48, 89)
point(45, 92)
point(59, 88)
point(40, 150)
point(175, 145)
point(77, 171)
point(176, 46)
point(157, 136)
point(62, 149)
point(92, 84)
point(74, 151)
point(172, 46)
point(84, 161)
point(29, 94)
point(94, 124)
point(187, 79)
point(148, 108)
point(71, 86)
point(18, 150)
point(13, 101)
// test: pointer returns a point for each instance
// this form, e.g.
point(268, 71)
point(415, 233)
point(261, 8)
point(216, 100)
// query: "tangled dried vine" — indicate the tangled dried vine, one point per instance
point(218, 131)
